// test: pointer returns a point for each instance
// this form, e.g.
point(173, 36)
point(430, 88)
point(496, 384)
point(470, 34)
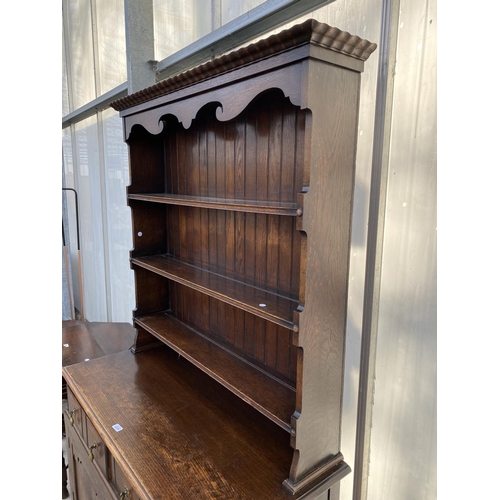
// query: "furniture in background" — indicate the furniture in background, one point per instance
point(242, 178)
point(83, 341)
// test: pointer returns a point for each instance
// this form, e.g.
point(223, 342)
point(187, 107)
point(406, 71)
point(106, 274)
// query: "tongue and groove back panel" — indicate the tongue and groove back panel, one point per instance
point(242, 178)
point(258, 156)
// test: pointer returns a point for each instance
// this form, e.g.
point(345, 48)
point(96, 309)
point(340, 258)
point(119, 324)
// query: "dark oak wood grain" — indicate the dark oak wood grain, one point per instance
point(85, 477)
point(179, 442)
point(83, 340)
point(242, 181)
point(78, 344)
point(112, 337)
point(251, 206)
point(263, 304)
point(270, 396)
point(239, 331)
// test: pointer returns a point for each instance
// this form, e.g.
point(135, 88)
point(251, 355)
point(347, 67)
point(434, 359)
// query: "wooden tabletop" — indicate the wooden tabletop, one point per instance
point(182, 435)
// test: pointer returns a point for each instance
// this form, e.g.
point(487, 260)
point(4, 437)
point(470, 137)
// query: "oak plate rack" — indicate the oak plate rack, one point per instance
point(242, 179)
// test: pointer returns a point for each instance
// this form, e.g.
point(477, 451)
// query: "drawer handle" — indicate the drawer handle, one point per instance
point(124, 494)
point(91, 453)
point(71, 419)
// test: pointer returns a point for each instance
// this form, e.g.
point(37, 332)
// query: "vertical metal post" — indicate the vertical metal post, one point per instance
point(376, 220)
point(139, 35)
point(66, 265)
point(78, 249)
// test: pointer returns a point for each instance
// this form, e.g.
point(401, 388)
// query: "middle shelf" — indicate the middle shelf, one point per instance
point(235, 205)
point(266, 305)
point(267, 394)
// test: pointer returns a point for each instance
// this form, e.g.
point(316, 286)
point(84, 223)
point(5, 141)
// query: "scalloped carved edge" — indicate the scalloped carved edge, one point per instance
point(310, 31)
point(228, 107)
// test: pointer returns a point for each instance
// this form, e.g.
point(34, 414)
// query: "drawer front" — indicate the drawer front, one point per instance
point(93, 467)
point(120, 483)
point(96, 448)
point(87, 482)
point(76, 417)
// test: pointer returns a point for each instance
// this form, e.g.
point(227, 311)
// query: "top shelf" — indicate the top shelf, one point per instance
point(265, 207)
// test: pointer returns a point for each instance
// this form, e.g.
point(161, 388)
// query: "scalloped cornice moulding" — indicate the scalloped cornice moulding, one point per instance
point(309, 32)
point(230, 105)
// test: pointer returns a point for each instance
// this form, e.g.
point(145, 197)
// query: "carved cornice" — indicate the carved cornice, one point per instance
point(310, 31)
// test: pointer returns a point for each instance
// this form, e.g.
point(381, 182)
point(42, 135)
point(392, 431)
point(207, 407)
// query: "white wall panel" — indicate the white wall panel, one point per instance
point(65, 90)
point(177, 24)
point(69, 178)
point(403, 446)
point(112, 62)
point(88, 186)
point(80, 52)
point(96, 166)
point(231, 9)
point(118, 218)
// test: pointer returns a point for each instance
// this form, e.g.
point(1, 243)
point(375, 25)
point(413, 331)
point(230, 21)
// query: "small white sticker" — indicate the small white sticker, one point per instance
point(262, 305)
point(117, 427)
point(65, 345)
point(87, 359)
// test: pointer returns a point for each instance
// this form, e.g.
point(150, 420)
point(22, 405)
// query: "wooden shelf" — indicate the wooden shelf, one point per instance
point(265, 207)
point(266, 305)
point(220, 397)
point(265, 393)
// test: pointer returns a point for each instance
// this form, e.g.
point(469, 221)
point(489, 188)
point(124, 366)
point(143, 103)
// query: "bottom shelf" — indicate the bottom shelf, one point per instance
point(271, 397)
point(182, 434)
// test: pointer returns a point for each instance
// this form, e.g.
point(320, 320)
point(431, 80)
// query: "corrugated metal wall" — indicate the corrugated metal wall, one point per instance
point(402, 449)
point(403, 435)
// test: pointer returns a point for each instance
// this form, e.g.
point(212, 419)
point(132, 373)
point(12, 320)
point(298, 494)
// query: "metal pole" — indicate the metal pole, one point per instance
point(376, 221)
point(66, 265)
point(80, 274)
